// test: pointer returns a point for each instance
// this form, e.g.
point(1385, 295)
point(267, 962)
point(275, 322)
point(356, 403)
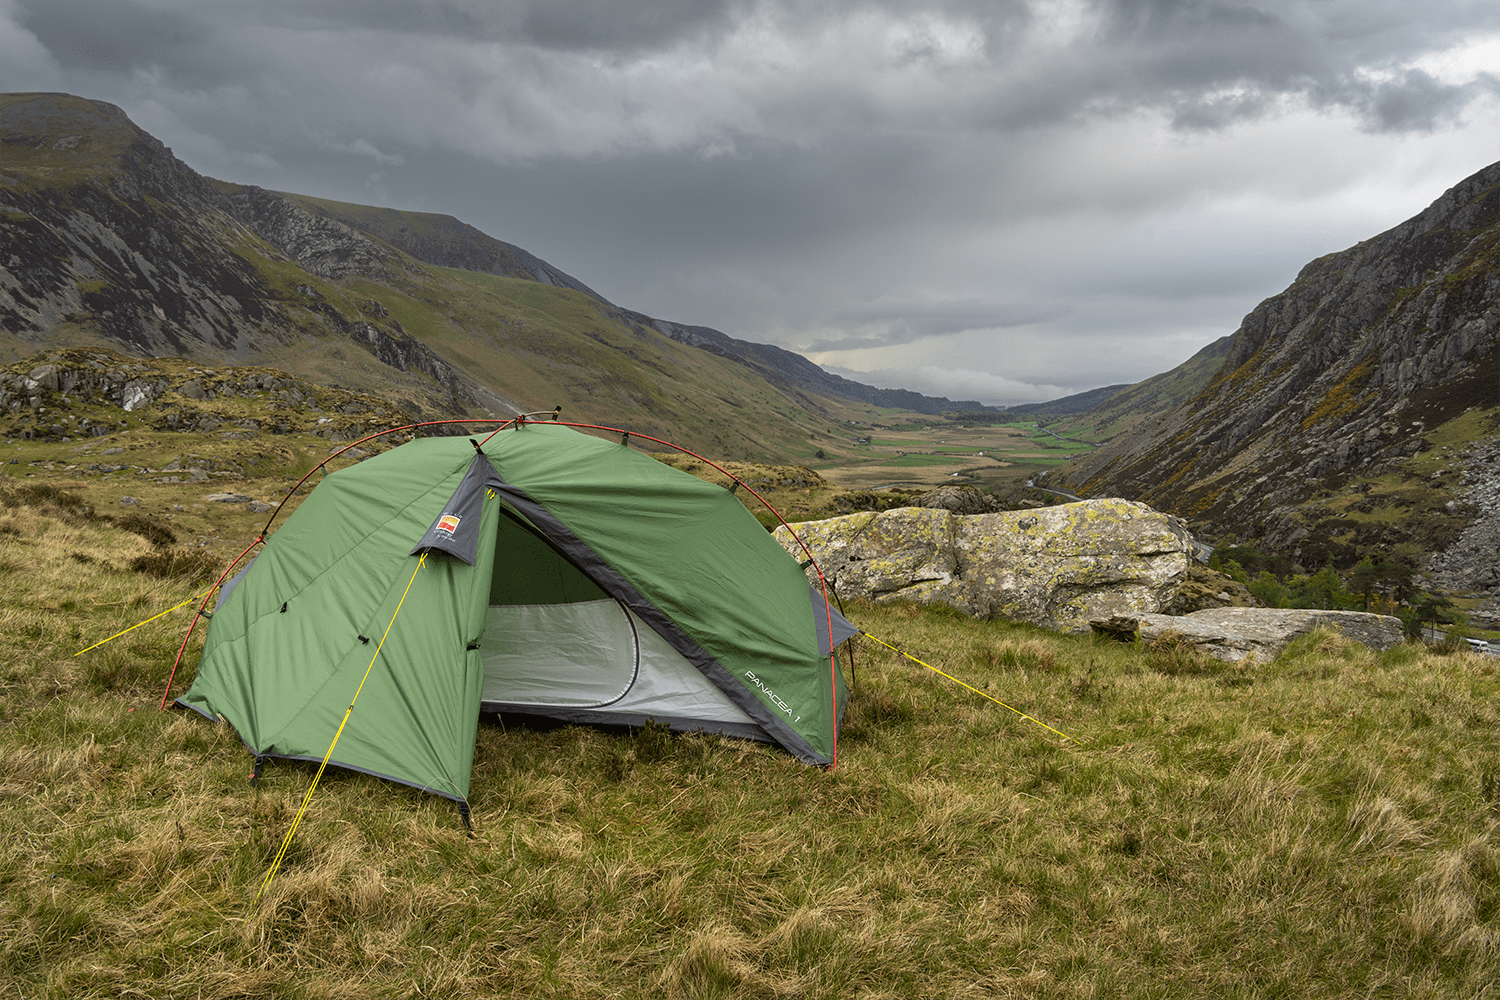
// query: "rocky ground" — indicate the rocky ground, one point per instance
point(1471, 563)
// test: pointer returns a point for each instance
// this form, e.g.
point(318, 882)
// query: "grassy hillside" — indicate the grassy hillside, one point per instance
point(1321, 826)
point(1143, 402)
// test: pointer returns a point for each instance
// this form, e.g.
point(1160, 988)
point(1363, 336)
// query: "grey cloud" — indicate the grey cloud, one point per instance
point(116, 36)
point(610, 25)
point(1415, 102)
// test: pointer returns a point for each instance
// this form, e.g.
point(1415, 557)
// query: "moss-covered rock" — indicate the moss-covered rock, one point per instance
point(1057, 567)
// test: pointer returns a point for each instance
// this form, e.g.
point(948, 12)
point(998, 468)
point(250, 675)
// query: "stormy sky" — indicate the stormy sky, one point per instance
point(1006, 200)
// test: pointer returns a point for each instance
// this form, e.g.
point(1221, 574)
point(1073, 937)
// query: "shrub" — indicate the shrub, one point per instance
point(199, 567)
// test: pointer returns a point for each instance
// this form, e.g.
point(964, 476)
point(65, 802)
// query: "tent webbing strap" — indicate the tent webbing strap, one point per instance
point(981, 694)
point(307, 799)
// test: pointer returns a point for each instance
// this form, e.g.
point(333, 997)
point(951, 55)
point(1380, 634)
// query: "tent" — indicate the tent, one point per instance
point(548, 572)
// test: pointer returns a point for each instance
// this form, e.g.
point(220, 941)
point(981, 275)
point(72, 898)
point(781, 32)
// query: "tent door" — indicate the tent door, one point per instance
point(582, 655)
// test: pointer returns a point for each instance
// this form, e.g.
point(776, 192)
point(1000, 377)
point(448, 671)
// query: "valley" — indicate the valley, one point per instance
point(913, 451)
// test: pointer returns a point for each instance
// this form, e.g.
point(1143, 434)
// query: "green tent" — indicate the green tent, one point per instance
point(564, 575)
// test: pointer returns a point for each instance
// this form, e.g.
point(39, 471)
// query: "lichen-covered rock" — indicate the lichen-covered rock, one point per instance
point(1057, 567)
point(1236, 633)
point(959, 499)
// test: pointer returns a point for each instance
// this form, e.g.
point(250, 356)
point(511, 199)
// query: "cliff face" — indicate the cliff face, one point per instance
point(1372, 356)
point(106, 231)
point(110, 239)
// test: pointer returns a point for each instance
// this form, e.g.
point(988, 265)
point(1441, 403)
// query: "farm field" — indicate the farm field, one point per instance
point(934, 452)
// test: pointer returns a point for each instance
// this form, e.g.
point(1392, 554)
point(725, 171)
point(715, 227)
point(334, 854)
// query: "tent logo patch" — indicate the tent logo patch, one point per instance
point(448, 523)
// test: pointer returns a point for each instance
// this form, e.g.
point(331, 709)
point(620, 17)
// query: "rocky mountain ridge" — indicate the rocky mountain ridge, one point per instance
point(111, 241)
point(1382, 360)
point(150, 257)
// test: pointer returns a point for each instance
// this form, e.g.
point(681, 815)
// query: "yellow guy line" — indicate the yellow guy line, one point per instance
point(307, 799)
point(981, 694)
point(137, 625)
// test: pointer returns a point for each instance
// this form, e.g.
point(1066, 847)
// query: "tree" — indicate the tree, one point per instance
point(1269, 590)
point(1398, 578)
point(1323, 590)
point(1434, 610)
point(1362, 579)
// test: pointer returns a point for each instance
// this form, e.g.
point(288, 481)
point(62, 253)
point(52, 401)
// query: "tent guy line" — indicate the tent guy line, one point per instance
point(997, 701)
point(286, 842)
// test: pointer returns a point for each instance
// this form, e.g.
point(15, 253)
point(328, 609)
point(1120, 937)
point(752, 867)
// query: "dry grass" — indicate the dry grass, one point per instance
point(1321, 826)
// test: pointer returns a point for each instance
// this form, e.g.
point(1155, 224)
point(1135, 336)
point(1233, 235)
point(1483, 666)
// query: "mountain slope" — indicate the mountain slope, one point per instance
point(110, 241)
point(1068, 406)
point(1336, 422)
point(1126, 407)
point(445, 241)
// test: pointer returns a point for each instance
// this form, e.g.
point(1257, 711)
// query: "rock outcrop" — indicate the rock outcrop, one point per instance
point(1233, 634)
point(1472, 562)
point(67, 395)
point(1057, 567)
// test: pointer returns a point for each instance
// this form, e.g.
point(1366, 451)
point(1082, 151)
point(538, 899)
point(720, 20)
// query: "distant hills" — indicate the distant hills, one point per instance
point(1356, 412)
point(110, 241)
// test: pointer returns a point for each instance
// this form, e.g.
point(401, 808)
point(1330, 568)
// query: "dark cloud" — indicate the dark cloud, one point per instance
point(117, 36)
point(613, 26)
point(1415, 102)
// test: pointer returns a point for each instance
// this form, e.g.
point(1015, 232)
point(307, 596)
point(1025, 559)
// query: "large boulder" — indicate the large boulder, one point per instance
point(1057, 567)
point(1236, 633)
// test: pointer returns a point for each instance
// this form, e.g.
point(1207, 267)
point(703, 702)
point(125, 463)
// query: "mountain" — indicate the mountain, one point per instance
point(443, 240)
point(110, 241)
point(1355, 411)
point(1120, 409)
point(1067, 406)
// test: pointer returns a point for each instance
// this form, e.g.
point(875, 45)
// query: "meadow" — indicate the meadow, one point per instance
point(1324, 825)
point(930, 451)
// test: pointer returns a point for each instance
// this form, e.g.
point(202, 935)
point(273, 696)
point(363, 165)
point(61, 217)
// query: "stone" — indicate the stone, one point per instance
point(129, 502)
point(259, 507)
point(957, 499)
point(136, 394)
point(228, 498)
point(1058, 567)
point(1233, 634)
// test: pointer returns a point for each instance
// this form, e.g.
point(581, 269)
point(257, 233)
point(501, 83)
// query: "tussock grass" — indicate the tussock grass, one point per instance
point(1323, 825)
